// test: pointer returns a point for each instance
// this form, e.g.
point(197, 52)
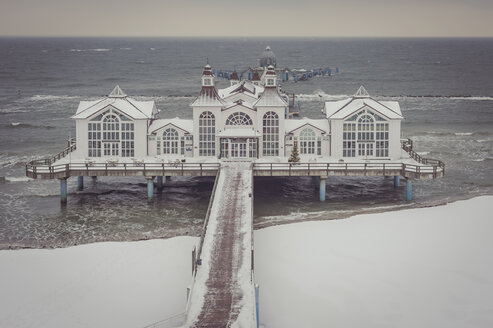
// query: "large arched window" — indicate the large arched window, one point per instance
point(307, 141)
point(207, 134)
point(170, 141)
point(110, 134)
point(239, 118)
point(368, 133)
point(270, 134)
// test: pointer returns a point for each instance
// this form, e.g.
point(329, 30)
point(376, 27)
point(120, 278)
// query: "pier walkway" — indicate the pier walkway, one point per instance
point(222, 294)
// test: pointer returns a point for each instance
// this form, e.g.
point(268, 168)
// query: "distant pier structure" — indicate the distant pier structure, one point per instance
point(235, 134)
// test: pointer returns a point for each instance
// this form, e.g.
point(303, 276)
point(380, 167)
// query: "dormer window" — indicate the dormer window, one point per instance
point(207, 81)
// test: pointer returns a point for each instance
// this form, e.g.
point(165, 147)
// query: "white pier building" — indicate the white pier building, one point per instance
point(248, 120)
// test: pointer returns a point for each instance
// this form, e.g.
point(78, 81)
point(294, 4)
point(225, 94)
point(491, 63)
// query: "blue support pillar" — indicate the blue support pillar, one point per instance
point(80, 182)
point(397, 181)
point(63, 190)
point(409, 190)
point(150, 188)
point(322, 189)
point(257, 304)
point(159, 183)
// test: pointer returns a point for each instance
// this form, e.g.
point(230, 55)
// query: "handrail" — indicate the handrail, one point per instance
point(171, 322)
point(206, 221)
point(407, 145)
point(44, 166)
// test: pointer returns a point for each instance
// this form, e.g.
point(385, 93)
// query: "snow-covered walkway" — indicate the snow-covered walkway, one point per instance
point(222, 294)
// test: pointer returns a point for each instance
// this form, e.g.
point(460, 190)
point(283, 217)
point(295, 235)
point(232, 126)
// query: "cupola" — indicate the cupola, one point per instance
point(207, 76)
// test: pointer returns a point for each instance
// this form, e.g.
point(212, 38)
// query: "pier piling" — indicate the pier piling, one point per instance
point(322, 189)
point(80, 182)
point(150, 188)
point(63, 190)
point(409, 190)
point(159, 183)
point(397, 181)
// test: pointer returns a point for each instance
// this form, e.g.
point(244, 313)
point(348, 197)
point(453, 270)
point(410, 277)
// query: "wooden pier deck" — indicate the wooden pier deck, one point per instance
point(223, 294)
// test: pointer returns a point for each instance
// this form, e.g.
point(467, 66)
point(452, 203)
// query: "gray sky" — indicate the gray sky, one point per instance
point(330, 18)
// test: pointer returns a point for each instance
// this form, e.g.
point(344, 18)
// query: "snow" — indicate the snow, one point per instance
point(294, 124)
point(185, 125)
point(98, 285)
point(427, 267)
point(342, 108)
point(238, 132)
point(241, 274)
point(128, 106)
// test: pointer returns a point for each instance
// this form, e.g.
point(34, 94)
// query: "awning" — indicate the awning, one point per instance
point(238, 133)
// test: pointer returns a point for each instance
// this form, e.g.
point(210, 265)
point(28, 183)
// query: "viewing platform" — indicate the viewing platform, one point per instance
point(411, 166)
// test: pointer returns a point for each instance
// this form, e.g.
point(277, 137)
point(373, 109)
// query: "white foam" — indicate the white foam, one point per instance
point(464, 133)
point(18, 179)
point(15, 123)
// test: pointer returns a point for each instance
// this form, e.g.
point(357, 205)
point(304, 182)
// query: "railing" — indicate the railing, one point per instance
point(206, 222)
point(45, 167)
point(407, 145)
point(296, 169)
point(172, 322)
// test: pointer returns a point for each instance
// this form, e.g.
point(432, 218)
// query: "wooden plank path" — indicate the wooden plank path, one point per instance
point(223, 294)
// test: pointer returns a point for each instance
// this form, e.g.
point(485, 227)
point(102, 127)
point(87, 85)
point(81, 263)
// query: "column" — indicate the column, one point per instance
point(159, 183)
point(409, 190)
point(80, 182)
point(150, 188)
point(63, 190)
point(322, 189)
point(257, 304)
point(397, 181)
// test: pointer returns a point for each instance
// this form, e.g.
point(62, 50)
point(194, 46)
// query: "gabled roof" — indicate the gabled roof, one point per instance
point(185, 125)
point(208, 97)
point(271, 97)
point(239, 104)
point(292, 125)
point(245, 87)
point(343, 108)
point(118, 100)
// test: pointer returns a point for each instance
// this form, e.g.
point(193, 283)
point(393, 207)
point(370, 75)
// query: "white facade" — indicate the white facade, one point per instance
point(246, 120)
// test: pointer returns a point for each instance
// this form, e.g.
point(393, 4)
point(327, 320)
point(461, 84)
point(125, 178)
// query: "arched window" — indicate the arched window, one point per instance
point(170, 141)
point(113, 133)
point(271, 134)
point(369, 132)
point(207, 134)
point(239, 118)
point(307, 141)
point(366, 127)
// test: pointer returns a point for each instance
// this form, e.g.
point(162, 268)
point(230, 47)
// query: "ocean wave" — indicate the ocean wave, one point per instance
point(83, 50)
point(125, 48)
point(27, 125)
point(321, 95)
point(17, 179)
point(52, 97)
point(456, 134)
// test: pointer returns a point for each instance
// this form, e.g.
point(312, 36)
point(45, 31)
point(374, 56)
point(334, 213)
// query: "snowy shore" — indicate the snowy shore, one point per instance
point(425, 267)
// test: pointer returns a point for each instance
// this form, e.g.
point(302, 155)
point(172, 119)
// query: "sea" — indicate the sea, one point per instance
point(444, 87)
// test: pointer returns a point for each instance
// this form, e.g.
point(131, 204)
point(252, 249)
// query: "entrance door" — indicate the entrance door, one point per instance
point(111, 148)
point(365, 149)
point(239, 148)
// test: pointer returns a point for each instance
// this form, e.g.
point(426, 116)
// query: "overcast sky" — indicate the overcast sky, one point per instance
point(329, 18)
